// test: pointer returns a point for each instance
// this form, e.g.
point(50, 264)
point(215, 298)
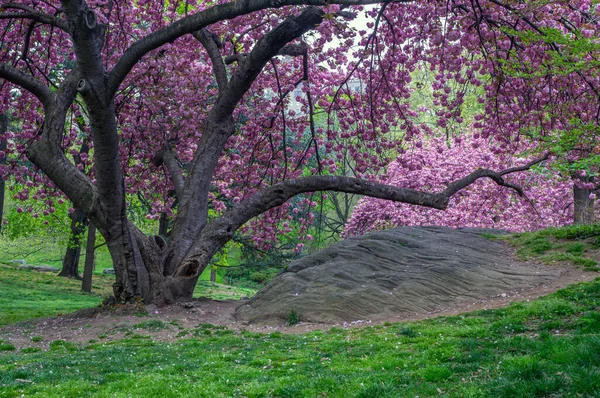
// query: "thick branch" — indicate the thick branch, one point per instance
point(28, 82)
point(211, 43)
point(280, 193)
point(220, 231)
point(233, 58)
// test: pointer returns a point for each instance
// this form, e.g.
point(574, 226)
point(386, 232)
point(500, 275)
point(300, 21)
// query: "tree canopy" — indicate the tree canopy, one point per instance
point(220, 112)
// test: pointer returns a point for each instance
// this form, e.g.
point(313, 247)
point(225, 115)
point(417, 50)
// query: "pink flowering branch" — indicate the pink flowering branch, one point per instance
point(202, 19)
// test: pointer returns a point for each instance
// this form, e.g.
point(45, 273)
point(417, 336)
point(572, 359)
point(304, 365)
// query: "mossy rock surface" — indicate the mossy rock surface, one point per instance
point(395, 273)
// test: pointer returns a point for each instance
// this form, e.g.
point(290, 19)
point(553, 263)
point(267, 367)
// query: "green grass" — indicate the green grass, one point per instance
point(27, 294)
point(545, 348)
point(578, 244)
point(219, 291)
point(36, 250)
point(548, 347)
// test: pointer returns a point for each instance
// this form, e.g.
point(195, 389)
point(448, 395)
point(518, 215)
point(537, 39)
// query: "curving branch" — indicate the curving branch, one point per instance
point(28, 82)
point(221, 230)
point(212, 44)
point(31, 14)
point(167, 157)
point(233, 58)
point(456, 186)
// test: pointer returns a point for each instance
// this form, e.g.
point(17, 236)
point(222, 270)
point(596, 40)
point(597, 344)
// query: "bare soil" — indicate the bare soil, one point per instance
point(107, 324)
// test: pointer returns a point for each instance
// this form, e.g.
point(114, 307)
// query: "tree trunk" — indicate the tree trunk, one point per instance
point(583, 212)
point(70, 267)
point(89, 259)
point(3, 128)
point(163, 225)
point(213, 273)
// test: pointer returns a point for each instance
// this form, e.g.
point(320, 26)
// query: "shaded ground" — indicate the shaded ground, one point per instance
point(436, 271)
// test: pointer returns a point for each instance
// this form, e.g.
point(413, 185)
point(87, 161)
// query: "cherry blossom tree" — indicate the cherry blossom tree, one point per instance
point(187, 104)
point(547, 201)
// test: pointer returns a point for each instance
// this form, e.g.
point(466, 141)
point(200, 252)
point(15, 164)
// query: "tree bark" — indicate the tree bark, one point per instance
point(88, 270)
point(583, 206)
point(163, 225)
point(70, 266)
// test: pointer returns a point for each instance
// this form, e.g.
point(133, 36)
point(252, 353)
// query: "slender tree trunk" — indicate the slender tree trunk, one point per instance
point(3, 128)
point(70, 267)
point(583, 212)
point(163, 225)
point(213, 273)
point(89, 259)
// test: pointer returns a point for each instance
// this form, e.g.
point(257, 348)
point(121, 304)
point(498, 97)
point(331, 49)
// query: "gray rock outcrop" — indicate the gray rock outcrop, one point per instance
point(40, 268)
point(396, 273)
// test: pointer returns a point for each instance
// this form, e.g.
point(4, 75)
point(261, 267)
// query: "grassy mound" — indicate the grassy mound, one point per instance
point(578, 244)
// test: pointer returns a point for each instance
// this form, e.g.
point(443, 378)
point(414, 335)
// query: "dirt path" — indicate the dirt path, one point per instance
point(176, 321)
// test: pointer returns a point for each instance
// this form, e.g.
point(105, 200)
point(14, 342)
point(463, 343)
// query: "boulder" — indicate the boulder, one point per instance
point(41, 268)
point(109, 271)
point(401, 272)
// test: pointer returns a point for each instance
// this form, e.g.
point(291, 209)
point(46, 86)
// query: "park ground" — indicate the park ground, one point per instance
point(542, 347)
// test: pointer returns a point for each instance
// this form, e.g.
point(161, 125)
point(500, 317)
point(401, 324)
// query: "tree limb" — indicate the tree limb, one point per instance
point(233, 58)
point(166, 156)
point(211, 45)
point(32, 14)
point(456, 186)
point(221, 230)
point(28, 82)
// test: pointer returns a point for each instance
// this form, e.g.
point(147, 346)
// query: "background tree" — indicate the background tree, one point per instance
point(3, 130)
point(200, 90)
point(547, 201)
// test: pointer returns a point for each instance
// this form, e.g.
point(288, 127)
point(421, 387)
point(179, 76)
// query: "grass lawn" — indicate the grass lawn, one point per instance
point(549, 347)
point(26, 294)
point(546, 348)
